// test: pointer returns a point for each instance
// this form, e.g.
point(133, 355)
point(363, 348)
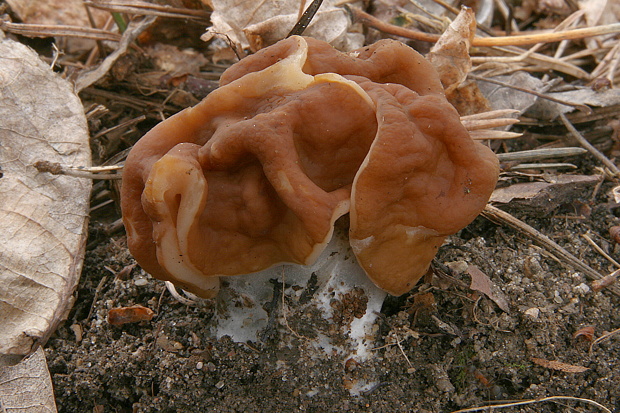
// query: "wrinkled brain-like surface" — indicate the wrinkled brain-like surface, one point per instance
point(298, 135)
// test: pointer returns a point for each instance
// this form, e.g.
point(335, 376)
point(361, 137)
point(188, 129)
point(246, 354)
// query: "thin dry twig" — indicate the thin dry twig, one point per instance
point(305, 18)
point(533, 401)
point(147, 9)
point(604, 337)
point(600, 250)
point(497, 215)
point(45, 30)
point(587, 145)
point(479, 125)
point(520, 40)
point(97, 172)
point(134, 29)
point(539, 154)
point(578, 106)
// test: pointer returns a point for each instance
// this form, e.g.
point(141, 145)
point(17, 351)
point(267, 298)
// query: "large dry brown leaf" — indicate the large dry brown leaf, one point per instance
point(42, 217)
point(27, 387)
point(52, 12)
point(259, 23)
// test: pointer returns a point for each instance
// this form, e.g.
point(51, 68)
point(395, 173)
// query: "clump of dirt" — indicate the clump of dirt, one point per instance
point(451, 350)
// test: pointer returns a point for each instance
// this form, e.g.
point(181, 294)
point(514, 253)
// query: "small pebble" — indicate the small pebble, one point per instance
point(141, 282)
point(533, 312)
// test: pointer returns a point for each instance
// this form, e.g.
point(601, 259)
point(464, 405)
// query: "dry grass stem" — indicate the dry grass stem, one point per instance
point(45, 30)
point(497, 215)
point(147, 9)
point(600, 250)
point(121, 125)
point(584, 142)
point(540, 154)
point(531, 166)
point(192, 301)
point(604, 337)
point(104, 172)
point(554, 399)
point(577, 106)
point(478, 124)
point(492, 134)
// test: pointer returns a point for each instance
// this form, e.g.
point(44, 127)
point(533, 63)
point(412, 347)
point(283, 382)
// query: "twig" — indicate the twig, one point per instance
point(539, 154)
point(532, 401)
point(96, 172)
point(479, 125)
point(584, 142)
point(493, 134)
point(495, 214)
point(121, 125)
point(600, 250)
point(44, 30)
point(583, 108)
point(521, 40)
point(192, 300)
point(604, 337)
point(525, 166)
point(147, 9)
point(87, 78)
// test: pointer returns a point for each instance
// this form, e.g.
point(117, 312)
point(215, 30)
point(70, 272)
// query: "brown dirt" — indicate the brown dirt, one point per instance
point(463, 351)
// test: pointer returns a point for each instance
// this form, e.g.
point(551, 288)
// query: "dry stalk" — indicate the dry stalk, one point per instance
point(522, 58)
point(497, 215)
point(587, 145)
point(539, 154)
point(604, 337)
point(147, 9)
point(600, 250)
point(578, 106)
point(520, 40)
point(45, 30)
point(479, 125)
point(534, 401)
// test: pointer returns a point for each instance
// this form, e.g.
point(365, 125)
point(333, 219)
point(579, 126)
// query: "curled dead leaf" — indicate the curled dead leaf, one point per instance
point(586, 333)
point(482, 283)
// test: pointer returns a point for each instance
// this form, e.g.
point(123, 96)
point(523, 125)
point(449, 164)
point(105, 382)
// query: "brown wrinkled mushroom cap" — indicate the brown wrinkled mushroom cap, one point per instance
point(257, 173)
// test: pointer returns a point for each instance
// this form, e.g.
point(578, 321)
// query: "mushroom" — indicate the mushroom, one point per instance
point(298, 135)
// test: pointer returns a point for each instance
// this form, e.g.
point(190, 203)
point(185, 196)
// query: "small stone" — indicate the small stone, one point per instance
point(582, 288)
point(199, 365)
point(141, 282)
point(219, 385)
point(533, 313)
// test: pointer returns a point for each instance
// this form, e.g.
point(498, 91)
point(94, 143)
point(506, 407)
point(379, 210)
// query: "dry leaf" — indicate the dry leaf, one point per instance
point(502, 97)
point(43, 217)
point(27, 387)
point(606, 281)
point(125, 315)
point(539, 199)
point(257, 24)
point(558, 365)
point(547, 110)
point(450, 55)
point(482, 283)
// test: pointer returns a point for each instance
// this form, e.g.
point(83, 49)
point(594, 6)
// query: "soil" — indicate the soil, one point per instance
point(440, 348)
